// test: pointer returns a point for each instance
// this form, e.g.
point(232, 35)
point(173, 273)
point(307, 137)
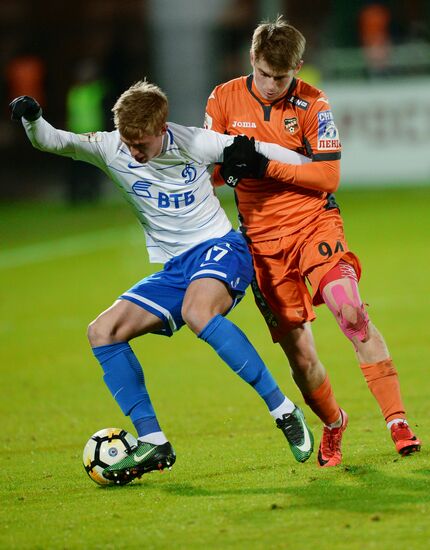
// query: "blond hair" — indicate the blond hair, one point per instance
point(142, 109)
point(280, 44)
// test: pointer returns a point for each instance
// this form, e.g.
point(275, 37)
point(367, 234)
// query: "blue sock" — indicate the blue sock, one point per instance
point(236, 350)
point(123, 376)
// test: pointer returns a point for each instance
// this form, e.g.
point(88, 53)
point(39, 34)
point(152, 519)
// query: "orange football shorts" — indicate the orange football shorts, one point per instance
point(288, 271)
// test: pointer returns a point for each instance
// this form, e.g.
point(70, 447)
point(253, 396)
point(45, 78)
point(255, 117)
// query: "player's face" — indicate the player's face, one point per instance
point(146, 147)
point(271, 84)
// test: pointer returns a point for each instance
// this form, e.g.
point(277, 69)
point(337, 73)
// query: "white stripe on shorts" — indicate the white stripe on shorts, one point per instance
point(209, 272)
point(155, 306)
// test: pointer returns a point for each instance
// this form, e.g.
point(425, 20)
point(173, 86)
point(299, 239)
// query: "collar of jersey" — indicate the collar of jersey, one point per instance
point(167, 138)
point(255, 93)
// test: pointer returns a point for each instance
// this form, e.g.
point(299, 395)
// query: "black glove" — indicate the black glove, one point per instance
point(25, 106)
point(234, 166)
point(241, 160)
point(258, 163)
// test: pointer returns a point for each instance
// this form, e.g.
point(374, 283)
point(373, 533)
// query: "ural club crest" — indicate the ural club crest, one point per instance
point(291, 125)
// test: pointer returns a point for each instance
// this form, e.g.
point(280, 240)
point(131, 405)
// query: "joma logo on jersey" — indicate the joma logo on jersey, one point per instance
point(242, 124)
point(175, 200)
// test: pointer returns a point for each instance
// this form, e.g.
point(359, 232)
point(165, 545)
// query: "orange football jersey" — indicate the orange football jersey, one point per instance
point(289, 197)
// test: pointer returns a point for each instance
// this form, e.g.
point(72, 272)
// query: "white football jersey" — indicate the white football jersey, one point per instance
point(172, 194)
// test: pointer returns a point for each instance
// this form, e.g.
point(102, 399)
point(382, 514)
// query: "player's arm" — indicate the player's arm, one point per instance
point(276, 153)
point(320, 176)
point(207, 146)
point(321, 138)
point(213, 147)
point(46, 138)
point(244, 159)
point(241, 157)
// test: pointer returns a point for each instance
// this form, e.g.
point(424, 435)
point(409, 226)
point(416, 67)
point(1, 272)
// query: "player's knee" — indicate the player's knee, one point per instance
point(94, 334)
point(101, 333)
point(195, 318)
point(343, 299)
point(354, 321)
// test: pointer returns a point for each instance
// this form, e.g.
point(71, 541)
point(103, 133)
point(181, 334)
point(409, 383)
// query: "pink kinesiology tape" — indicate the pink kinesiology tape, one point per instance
point(343, 300)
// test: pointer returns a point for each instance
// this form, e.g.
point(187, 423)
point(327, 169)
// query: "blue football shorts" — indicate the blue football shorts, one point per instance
point(162, 293)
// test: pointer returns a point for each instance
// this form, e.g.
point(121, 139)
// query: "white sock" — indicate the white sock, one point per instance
point(286, 407)
point(396, 421)
point(336, 424)
point(155, 438)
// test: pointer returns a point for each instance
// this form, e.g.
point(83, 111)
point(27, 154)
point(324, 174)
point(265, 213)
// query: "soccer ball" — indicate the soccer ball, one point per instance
point(104, 448)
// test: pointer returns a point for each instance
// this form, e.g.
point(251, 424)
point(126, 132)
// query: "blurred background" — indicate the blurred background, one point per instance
point(371, 58)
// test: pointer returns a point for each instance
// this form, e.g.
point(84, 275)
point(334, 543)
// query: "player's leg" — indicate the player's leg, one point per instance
point(206, 302)
point(284, 301)
point(109, 336)
point(339, 289)
point(309, 373)
point(313, 381)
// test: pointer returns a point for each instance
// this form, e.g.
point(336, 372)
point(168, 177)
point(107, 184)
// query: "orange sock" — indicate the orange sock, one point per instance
point(323, 402)
point(383, 382)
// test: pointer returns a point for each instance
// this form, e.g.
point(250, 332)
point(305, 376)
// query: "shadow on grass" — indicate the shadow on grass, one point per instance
point(349, 488)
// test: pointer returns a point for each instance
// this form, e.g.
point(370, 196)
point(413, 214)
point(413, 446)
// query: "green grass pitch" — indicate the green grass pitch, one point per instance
point(235, 483)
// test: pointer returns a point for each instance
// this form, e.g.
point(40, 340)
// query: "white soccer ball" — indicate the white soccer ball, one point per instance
point(104, 448)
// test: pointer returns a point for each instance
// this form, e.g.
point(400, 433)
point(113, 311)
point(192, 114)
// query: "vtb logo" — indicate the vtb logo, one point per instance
point(175, 200)
point(164, 200)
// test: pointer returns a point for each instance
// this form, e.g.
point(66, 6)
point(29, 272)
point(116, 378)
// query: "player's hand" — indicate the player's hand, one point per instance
point(25, 106)
point(241, 160)
point(235, 166)
point(258, 164)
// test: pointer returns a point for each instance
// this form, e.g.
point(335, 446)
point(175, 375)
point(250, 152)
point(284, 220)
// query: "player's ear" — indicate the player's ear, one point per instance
point(299, 66)
point(252, 57)
point(163, 129)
